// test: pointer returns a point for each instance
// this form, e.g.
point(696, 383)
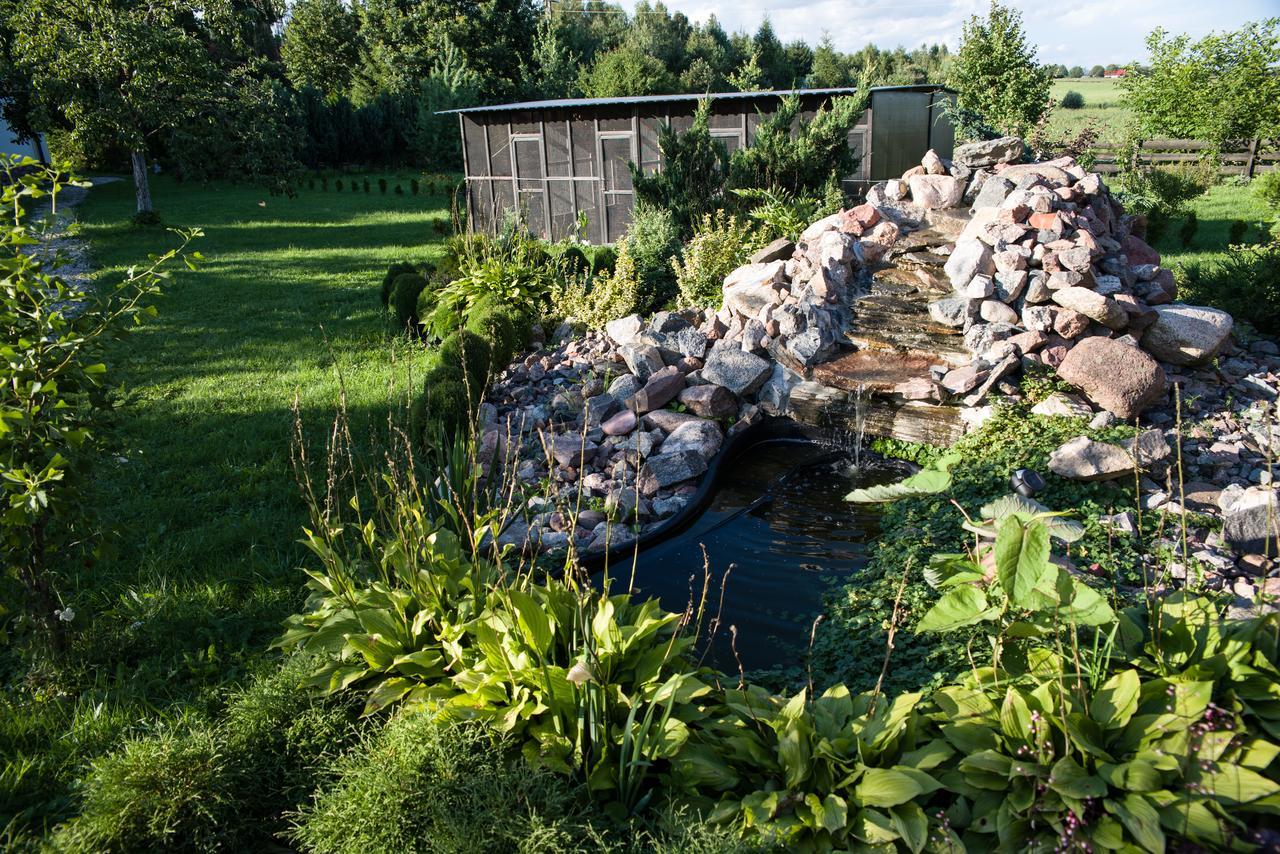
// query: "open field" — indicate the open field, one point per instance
point(1103, 107)
point(200, 514)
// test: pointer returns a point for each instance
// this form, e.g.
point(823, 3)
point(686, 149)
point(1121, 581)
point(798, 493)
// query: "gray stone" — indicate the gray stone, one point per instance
point(740, 372)
point(668, 323)
point(1062, 406)
point(994, 311)
point(703, 437)
point(625, 330)
point(662, 470)
point(625, 386)
point(667, 420)
point(1084, 459)
point(570, 450)
point(970, 258)
point(691, 342)
point(1148, 447)
point(643, 360)
point(1251, 522)
point(813, 345)
point(1094, 306)
point(993, 193)
point(779, 250)
point(953, 311)
point(988, 152)
point(601, 408)
point(1187, 334)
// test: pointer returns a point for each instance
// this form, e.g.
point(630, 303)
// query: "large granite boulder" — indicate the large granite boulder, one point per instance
point(1187, 334)
point(667, 469)
point(988, 152)
point(1094, 306)
point(1116, 376)
point(1084, 459)
point(933, 192)
point(970, 258)
point(703, 437)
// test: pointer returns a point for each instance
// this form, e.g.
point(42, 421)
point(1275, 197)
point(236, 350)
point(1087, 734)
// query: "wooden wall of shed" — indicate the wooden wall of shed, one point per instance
point(554, 166)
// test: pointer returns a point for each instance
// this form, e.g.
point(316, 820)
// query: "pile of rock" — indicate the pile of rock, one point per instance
point(1050, 270)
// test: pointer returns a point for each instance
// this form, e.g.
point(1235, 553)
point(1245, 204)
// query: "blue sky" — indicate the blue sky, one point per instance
point(1071, 32)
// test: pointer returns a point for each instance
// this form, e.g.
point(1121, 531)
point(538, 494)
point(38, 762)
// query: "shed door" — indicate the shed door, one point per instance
point(532, 200)
point(616, 152)
point(900, 126)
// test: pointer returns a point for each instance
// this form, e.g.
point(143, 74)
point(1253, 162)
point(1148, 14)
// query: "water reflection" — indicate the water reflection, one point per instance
point(780, 520)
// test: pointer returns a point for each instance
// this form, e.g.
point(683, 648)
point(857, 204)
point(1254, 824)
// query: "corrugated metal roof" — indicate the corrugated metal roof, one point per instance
point(569, 103)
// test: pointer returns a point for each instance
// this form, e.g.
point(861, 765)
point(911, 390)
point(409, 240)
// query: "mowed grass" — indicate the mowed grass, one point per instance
point(1215, 211)
point(1104, 107)
point(200, 513)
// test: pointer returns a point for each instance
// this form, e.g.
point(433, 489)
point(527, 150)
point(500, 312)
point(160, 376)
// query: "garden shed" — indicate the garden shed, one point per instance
point(558, 160)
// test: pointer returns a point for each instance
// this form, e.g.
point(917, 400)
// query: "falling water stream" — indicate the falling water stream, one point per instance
point(780, 528)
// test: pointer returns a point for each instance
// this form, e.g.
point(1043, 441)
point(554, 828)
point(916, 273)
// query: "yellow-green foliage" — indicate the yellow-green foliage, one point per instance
point(720, 244)
point(596, 302)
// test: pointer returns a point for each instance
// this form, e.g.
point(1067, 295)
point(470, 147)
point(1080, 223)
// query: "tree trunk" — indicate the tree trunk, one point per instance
point(141, 183)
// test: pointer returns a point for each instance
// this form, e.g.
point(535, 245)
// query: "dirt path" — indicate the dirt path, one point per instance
point(63, 252)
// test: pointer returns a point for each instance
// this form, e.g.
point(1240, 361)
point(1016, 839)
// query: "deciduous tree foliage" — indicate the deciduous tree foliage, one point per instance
point(117, 73)
point(1220, 88)
point(321, 45)
point(996, 72)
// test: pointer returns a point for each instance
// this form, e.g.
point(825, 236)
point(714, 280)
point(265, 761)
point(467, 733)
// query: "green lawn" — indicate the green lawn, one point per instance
point(1215, 211)
point(1103, 106)
point(200, 512)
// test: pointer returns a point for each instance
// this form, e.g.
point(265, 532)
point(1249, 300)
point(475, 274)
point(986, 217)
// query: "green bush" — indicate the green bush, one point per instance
point(721, 244)
point(382, 186)
point(1187, 231)
point(1245, 283)
point(594, 302)
point(1236, 231)
point(1073, 100)
point(470, 352)
point(1161, 193)
point(653, 243)
point(506, 330)
point(691, 182)
point(799, 158)
point(1266, 188)
point(603, 260)
point(422, 785)
point(394, 272)
point(405, 291)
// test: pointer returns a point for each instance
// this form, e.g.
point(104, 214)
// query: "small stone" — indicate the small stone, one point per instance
point(952, 311)
point(994, 311)
point(963, 380)
point(661, 389)
point(625, 330)
point(709, 401)
point(970, 258)
point(703, 437)
point(1084, 459)
point(1062, 405)
point(1251, 524)
point(740, 372)
point(1093, 305)
point(779, 250)
point(642, 359)
point(625, 386)
point(621, 424)
point(934, 192)
point(665, 470)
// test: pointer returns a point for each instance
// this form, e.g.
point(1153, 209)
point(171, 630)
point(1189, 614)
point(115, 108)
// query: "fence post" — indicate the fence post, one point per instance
point(1135, 158)
point(1253, 156)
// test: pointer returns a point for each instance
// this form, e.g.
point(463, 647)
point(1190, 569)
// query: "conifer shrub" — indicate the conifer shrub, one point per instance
point(472, 353)
point(413, 186)
point(382, 186)
point(394, 272)
point(404, 299)
point(399, 190)
point(337, 185)
point(324, 184)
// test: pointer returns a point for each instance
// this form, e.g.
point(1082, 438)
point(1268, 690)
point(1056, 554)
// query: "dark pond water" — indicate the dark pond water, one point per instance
point(780, 519)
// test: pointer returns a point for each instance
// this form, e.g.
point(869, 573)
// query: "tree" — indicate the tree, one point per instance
point(749, 77)
point(830, 67)
point(626, 71)
point(1223, 87)
point(17, 100)
point(555, 64)
point(996, 72)
point(1075, 71)
point(691, 181)
point(1097, 71)
point(656, 32)
point(321, 46)
point(114, 71)
point(771, 56)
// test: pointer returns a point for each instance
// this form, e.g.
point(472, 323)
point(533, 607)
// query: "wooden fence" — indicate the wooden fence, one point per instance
point(1242, 158)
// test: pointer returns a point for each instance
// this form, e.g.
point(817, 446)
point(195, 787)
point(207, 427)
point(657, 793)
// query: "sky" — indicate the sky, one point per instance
point(1070, 32)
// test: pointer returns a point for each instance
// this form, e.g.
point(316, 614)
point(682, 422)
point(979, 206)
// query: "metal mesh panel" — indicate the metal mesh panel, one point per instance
point(681, 124)
point(584, 149)
point(650, 156)
point(531, 209)
point(587, 195)
point(528, 157)
point(477, 156)
point(726, 120)
point(503, 200)
point(556, 140)
point(499, 150)
point(617, 154)
point(619, 216)
point(481, 205)
point(561, 201)
point(615, 123)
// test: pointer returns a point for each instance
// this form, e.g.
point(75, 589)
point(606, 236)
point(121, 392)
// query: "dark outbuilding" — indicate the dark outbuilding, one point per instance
point(556, 160)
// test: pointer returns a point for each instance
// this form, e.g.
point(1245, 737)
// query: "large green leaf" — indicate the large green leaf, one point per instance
point(959, 607)
point(1236, 784)
point(1141, 820)
point(534, 624)
point(924, 482)
point(1070, 779)
point(912, 825)
point(1116, 701)
point(1022, 559)
point(885, 787)
point(1026, 509)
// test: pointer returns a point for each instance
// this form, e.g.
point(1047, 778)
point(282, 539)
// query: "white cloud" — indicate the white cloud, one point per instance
point(1072, 32)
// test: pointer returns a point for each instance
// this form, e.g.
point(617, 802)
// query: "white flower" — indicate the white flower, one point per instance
point(65, 614)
